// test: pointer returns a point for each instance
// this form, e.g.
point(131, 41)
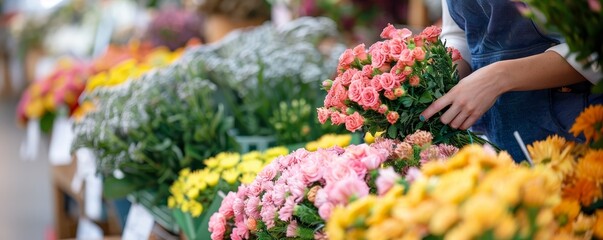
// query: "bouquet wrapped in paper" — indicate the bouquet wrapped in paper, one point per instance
point(295, 194)
point(386, 87)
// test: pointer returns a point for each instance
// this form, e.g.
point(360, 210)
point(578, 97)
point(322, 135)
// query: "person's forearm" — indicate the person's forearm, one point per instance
point(541, 71)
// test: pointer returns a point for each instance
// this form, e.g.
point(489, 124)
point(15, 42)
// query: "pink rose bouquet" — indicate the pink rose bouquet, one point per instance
point(293, 196)
point(386, 87)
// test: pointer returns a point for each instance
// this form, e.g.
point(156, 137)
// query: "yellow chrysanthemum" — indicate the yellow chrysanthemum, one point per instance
point(566, 211)
point(253, 155)
point(583, 190)
point(212, 178)
point(591, 166)
point(228, 160)
point(230, 176)
point(598, 229)
point(553, 152)
point(590, 123)
point(274, 152)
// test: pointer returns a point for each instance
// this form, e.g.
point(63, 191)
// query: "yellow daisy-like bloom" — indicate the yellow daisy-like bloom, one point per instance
point(591, 166)
point(566, 212)
point(251, 166)
point(228, 160)
point(212, 178)
point(553, 152)
point(230, 176)
point(274, 152)
point(253, 155)
point(583, 190)
point(598, 229)
point(589, 122)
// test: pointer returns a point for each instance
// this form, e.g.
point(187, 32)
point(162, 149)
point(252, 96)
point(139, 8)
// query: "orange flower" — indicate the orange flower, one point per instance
point(590, 123)
point(591, 166)
point(582, 190)
point(554, 152)
point(598, 229)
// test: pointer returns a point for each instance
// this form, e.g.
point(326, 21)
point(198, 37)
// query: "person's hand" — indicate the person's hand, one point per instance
point(470, 98)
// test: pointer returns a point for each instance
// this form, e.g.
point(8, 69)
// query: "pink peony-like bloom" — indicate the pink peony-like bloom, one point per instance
point(286, 212)
point(297, 188)
point(420, 138)
point(414, 81)
point(447, 150)
point(217, 226)
point(346, 188)
point(383, 109)
point(392, 117)
point(353, 122)
point(325, 211)
point(431, 33)
point(378, 59)
point(456, 55)
point(241, 229)
point(252, 205)
point(292, 229)
point(226, 206)
point(413, 174)
point(323, 115)
point(370, 97)
point(386, 180)
point(419, 54)
point(407, 57)
point(338, 118)
point(346, 59)
point(389, 94)
point(388, 81)
point(360, 52)
point(437, 153)
point(268, 214)
point(367, 71)
point(355, 92)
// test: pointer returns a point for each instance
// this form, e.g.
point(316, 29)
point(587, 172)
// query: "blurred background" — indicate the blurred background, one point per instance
point(53, 50)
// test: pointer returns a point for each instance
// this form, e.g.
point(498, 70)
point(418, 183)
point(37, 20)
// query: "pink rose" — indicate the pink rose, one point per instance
point(369, 97)
point(382, 108)
point(385, 67)
point(392, 117)
point(217, 226)
point(386, 180)
point(396, 46)
point(347, 76)
point(325, 210)
point(226, 207)
point(418, 41)
point(407, 71)
point(359, 77)
point(326, 84)
point(358, 167)
point(389, 94)
point(376, 83)
point(378, 59)
point(286, 212)
point(292, 229)
point(323, 114)
point(404, 33)
point(399, 92)
point(252, 205)
point(354, 92)
point(419, 54)
point(367, 71)
point(353, 122)
point(455, 54)
point(389, 32)
point(338, 118)
point(346, 59)
point(407, 58)
point(347, 188)
point(414, 81)
point(360, 52)
point(388, 81)
point(431, 33)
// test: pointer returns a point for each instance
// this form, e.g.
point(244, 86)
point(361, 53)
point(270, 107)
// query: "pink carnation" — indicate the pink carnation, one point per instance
point(360, 52)
point(337, 171)
point(292, 229)
point(347, 188)
point(420, 138)
point(413, 174)
point(217, 226)
point(386, 180)
point(312, 170)
point(254, 189)
point(252, 205)
point(353, 122)
point(268, 214)
point(286, 212)
point(404, 150)
point(226, 206)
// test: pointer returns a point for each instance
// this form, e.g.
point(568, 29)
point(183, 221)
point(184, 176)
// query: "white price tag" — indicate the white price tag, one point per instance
point(88, 230)
point(93, 197)
point(138, 224)
point(31, 143)
point(86, 165)
point(60, 143)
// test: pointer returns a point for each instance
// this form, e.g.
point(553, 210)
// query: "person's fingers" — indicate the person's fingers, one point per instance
point(459, 120)
point(469, 121)
point(451, 114)
point(435, 107)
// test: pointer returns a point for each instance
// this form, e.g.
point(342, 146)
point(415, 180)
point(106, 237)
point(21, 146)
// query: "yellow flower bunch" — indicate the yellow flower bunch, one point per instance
point(329, 140)
point(132, 68)
point(476, 193)
point(187, 189)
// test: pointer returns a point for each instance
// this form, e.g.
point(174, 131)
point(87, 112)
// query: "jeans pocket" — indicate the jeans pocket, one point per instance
point(565, 107)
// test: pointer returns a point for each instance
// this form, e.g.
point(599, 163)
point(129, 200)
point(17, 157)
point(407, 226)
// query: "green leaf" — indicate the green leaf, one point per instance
point(392, 131)
point(307, 215)
point(426, 97)
point(406, 101)
point(119, 188)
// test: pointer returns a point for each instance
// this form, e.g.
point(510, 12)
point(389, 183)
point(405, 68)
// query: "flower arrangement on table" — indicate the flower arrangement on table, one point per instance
point(579, 165)
point(475, 194)
point(294, 195)
point(60, 89)
point(193, 193)
point(387, 87)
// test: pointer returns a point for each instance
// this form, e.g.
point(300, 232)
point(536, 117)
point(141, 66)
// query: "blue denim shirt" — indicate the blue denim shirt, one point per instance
point(496, 31)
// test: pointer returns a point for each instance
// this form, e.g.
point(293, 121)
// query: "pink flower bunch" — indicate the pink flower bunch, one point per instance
point(273, 197)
